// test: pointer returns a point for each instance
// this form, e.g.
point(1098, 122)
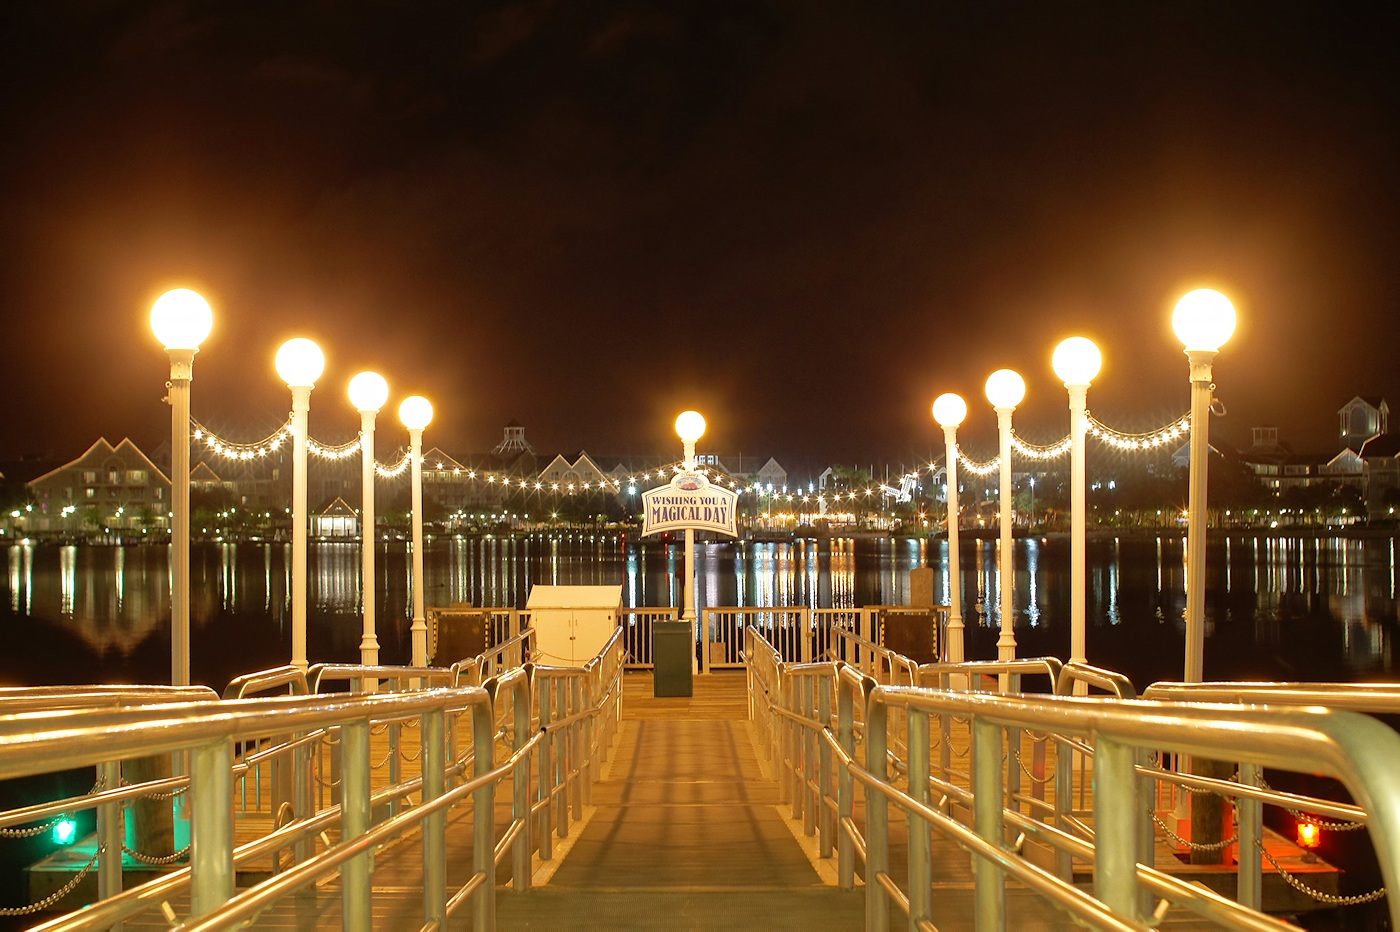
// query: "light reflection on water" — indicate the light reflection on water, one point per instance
point(1280, 607)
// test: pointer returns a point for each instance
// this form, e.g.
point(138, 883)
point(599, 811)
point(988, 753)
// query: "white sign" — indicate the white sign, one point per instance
point(689, 501)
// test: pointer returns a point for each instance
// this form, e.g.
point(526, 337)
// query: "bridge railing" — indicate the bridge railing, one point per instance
point(837, 706)
point(542, 734)
point(1247, 789)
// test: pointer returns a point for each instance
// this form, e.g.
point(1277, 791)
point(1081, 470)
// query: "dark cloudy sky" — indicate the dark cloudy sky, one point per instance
point(804, 218)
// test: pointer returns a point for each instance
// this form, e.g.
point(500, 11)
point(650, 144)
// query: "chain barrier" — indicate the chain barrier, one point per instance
point(34, 831)
point(48, 901)
point(1194, 846)
point(1323, 824)
point(154, 860)
point(1033, 777)
point(1328, 898)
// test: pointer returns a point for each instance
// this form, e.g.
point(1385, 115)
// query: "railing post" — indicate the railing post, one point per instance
point(990, 906)
point(544, 787)
point(920, 831)
point(578, 746)
point(563, 761)
point(824, 823)
point(1064, 805)
point(1250, 832)
point(211, 826)
point(484, 816)
point(802, 772)
point(806, 633)
point(111, 830)
point(395, 763)
point(434, 741)
point(520, 797)
point(355, 821)
point(845, 787)
point(877, 817)
point(705, 638)
point(304, 758)
point(1116, 825)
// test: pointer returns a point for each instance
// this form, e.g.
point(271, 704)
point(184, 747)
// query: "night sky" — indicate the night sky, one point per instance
point(805, 219)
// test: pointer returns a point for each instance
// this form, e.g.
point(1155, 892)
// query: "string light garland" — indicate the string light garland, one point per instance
point(1035, 451)
point(1147, 441)
point(1121, 440)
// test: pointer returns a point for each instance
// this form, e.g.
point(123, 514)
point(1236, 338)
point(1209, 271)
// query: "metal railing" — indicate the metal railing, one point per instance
point(800, 634)
point(1116, 737)
point(541, 732)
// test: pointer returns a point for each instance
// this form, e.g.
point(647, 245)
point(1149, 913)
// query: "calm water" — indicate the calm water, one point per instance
point(1277, 608)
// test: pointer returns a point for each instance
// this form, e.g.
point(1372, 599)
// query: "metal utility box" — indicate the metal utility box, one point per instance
point(456, 634)
point(672, 656)
point(572, 623)
point(912, 634)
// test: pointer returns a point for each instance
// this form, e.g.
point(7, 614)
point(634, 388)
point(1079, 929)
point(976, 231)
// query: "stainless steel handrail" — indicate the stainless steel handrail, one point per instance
point(1117, 735)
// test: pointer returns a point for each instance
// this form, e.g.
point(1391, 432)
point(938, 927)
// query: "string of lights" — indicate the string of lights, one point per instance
point(1035, 451)
point(897, 489)
point(1145, 441)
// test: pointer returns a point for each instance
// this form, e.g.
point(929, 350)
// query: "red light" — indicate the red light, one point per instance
point(1308, 835)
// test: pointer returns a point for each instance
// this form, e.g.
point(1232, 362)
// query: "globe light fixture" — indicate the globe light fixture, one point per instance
point(416, 413)
point(300, 363)
point(1077, 361)
point(1204, 320)
point(949, 410)
point(368, 392)
point(181, 320)
point(1005, 390)
point(690, 427)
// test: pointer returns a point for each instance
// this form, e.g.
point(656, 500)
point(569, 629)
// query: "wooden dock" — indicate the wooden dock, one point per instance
point(684, 831)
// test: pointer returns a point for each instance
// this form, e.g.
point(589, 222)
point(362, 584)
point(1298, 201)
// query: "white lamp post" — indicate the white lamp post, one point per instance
point(690, 427)
point(1203, 321)
point(181, 320)
point(1005, 389)
point(949, 410)
point(416, 412)
point(300, 363)
point(368, 392)
point(1076, 361)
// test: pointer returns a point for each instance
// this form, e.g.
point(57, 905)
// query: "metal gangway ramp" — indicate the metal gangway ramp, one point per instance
point(685, 831)
point(858, 791)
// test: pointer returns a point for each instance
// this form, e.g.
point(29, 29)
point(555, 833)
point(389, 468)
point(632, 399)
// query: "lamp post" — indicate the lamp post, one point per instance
point(1005, 389)
point(368, 392)
point(181, 320)
point(300, 363)
point(416, 412)
point(949, 410)
point(1076, 361)
point(1203, 320)
point(690, 427)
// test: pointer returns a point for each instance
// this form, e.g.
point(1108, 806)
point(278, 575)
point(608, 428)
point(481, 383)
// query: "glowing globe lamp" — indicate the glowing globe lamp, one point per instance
point(416, 412)
point(65, 832)
point(181, 319)
point(949, 409)
point(1005, 388)
point(300, 363)
point(1076, 361)
point(369, 391)
point(1309, 835)
point(1203, 320)
point(690, 426)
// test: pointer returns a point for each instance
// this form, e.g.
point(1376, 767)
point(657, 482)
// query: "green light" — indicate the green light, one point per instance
point(65, 832)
